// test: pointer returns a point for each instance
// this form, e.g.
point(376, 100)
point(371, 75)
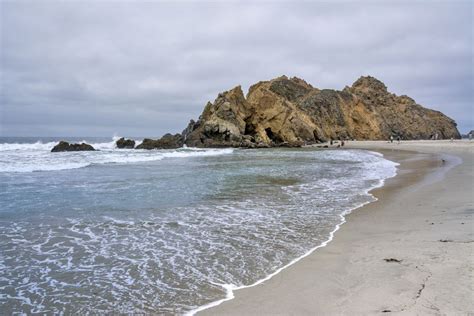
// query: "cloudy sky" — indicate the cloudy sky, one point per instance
point(131, 68)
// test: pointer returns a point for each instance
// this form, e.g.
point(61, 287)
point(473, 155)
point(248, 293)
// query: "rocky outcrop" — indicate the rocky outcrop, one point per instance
point(468, 134)
point(168, 141)
point(291, 112)
point(223, 123)
point(123, 143)
point(65, 146)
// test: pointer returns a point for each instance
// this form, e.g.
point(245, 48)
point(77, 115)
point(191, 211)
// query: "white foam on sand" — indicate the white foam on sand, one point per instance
point(208, 246)
point(391, 171)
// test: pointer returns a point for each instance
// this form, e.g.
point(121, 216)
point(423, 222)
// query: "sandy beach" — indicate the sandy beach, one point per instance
point(411, 252)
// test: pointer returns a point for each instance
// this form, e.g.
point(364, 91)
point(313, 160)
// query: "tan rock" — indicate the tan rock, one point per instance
point(290, 112)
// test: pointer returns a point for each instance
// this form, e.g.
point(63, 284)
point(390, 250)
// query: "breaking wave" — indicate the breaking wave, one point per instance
point(29, 157)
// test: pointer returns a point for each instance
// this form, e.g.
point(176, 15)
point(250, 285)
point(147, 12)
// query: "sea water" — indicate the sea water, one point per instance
point(164, 231)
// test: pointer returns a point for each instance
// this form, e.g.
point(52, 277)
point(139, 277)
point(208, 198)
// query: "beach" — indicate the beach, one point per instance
point(164, 231)
point(409, 252)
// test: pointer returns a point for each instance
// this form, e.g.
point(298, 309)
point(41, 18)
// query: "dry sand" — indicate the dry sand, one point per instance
point(411, 252)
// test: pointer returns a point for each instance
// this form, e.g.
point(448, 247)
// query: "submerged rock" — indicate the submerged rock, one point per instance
point(292, 113)
point(123, 143)
point(65, 146)
point(168, 141)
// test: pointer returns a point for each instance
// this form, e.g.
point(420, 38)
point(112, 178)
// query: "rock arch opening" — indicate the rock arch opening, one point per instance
point(273, 136)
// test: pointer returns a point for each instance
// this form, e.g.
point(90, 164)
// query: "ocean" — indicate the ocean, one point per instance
point(164, 231)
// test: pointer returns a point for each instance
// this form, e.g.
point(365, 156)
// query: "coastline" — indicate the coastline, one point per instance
point(418, 220)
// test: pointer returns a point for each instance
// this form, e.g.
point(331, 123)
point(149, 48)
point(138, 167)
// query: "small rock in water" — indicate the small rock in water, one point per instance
point(65, 146)
point(125, 143)
point(392, 260)
point(168, 141)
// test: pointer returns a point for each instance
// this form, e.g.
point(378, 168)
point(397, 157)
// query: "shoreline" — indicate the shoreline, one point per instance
point(421, 165)
point(230, 289)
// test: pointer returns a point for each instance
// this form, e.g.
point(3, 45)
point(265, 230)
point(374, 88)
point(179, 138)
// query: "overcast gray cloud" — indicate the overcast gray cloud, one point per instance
point(84, 68)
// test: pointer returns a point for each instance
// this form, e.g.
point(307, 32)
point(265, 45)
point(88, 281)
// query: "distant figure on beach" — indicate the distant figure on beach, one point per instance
point(398, 139)
point(342, 143)
point(330, 142)
point(391, 138)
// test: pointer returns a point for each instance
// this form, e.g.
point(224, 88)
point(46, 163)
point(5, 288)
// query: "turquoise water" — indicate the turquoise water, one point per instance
point(165, 230)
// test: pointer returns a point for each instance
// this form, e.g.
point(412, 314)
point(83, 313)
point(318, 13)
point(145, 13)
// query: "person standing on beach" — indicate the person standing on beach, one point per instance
point(391, 138)
point(398, 139)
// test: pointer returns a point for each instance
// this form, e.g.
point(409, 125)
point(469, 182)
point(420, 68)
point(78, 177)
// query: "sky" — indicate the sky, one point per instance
point(136, 68)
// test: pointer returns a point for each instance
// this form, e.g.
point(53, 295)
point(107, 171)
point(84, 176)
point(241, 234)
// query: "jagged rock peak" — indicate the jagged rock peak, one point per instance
point(235, 93)
point(291, 89)
point(301, 82)
point(369, 83)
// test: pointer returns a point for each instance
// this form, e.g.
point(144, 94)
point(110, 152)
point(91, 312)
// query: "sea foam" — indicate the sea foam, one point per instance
point(175, 238)
point(29, 157)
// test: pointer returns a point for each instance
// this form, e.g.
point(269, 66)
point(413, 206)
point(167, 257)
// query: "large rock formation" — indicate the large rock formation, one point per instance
point(65, 146)
point(290, 112)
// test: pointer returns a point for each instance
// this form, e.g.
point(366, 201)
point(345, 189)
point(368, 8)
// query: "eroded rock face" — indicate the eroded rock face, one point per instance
point(400, 115)
point(168, 141)
point(290, 112)
point(65, 146)
point(221, 124)
point(123, 143)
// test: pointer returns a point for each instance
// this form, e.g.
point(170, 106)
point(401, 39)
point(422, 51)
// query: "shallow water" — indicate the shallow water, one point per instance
point(163, 231)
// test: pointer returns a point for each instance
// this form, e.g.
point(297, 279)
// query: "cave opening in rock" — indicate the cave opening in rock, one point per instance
point(274, 137)
point(318, 139)
point(249, 129)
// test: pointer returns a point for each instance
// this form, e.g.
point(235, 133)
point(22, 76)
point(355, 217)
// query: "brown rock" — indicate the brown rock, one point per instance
point(290, 112)
point(221, 124)
point(168, 141)
point(125, 143)
point(65, 146)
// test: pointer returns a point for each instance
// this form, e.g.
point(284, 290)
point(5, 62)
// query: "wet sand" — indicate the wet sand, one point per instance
point(410, 252)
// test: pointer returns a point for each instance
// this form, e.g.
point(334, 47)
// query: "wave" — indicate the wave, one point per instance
point(104, 146)
point(15, 168)
point(16, 157)
point(47, 146)
point(31, 146)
